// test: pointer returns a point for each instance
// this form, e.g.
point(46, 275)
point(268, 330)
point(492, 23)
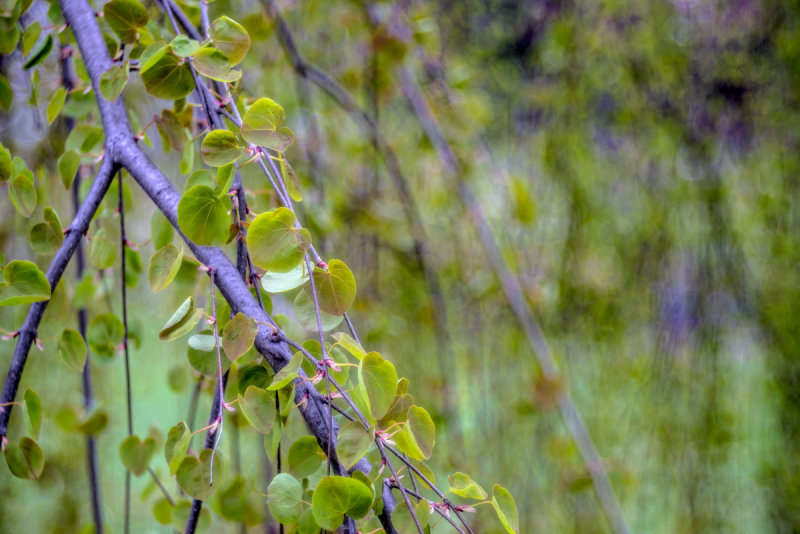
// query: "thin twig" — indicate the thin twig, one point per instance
point(128, 396)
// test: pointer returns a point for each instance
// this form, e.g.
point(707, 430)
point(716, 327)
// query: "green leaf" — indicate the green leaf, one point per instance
point(182, 46)
point(201, 177)
point(304, 457)
point(23, 193)
point(463, 486)
point(9, 40)
point(167, 76)
point(418, 436)
point(136, 454)
point(379, 380)
point(46, 237)
point(113, 81)
point(25, 460)
point(180, 516)
point(39, 53)
point(258, 406)
point(203, 216)
point(230, 38)
point(336, 497)
point(349, 344)
point(171, 130)
point(274, 242)
point(68, 165)
point(273, 282)
point(161, 230)
point(261, 125)
point(224, 178)
point(503, 503)
point(106, 332)
point(202, 355)
point(336, 287)
point(56, 104)
point(306, 315)
point(285, 498)
point(125, 17)
point(164, 265)
point(273, 440)
point(287, 373)
point(238, 336)
point(194, 475)
point(30, 36)
point(103, 250)
point(182, 321)
point(162, 511)
point(220, 147)
point(5, 164)
point(187, 156)
point(72, 349)
point(93, 423)
point(33, 408)
point(212, 63)
point(24, 283)
point(176, 446)
point(353, 443)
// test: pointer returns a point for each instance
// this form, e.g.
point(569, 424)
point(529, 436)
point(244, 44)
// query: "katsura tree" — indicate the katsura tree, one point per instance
point(362, 465)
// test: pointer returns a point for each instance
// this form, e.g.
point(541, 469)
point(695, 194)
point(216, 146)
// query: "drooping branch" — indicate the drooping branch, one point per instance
point(127, 153)
point(27, 334)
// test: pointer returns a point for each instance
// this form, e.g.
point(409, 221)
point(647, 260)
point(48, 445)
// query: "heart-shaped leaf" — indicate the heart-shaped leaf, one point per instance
point(68, 165)
point(336, 497)
point(213, 64)
point(176, 446)
point(261, 125)
point(24, 283)
point(182, 321)
point(103, 249)
point(22, 192)
point(25, 460)
point(274, 242)
point(220, 147)
point(462, 485)
point(336, 287)
point(203, 216)
point(33, 409)
point(202, 354)
point(105, 334)
point(307, 315)
point(353, 443)
point(136, 454)
point(92, 423)
point(46, 237)
point(113, 81)
point(166, 75)
point(304, 456)
point(56, 104)
point(125, 17)
point(238, 335)
point(258, 406)
point(194, 475)
point(287, 373)
point(378, 377)
point(418, 436)
point(72, 349)
point(285, 498)
point(230, 38)
point(506, 509)
point(164, 265)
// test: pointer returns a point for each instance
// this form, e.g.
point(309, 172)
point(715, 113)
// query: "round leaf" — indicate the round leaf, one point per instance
point(23, 193)
point(336, 497)
point(125, 17)
point(212, 63)
point(72, 349)
point(274, 242)
point(378, 377)
point(105, 334)
point(203, 216)
point(202, 355)
point(219, 148)
point(24, 283)
point(167, 76)
point(307, 316)
point(304, 456)
point(285, 497)
point(261, 125)
point(230, 38)
point(238, 335)
point(47, 237)
point(258, 406)
point(164, 265)
point(194, 475)
point(353, 443)
point(336, 287)
point(113, 81)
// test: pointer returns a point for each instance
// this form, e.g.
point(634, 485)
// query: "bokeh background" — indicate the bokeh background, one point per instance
point(639, 163)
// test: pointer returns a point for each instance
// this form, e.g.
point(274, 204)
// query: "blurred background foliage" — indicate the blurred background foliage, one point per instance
point(638, 161)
